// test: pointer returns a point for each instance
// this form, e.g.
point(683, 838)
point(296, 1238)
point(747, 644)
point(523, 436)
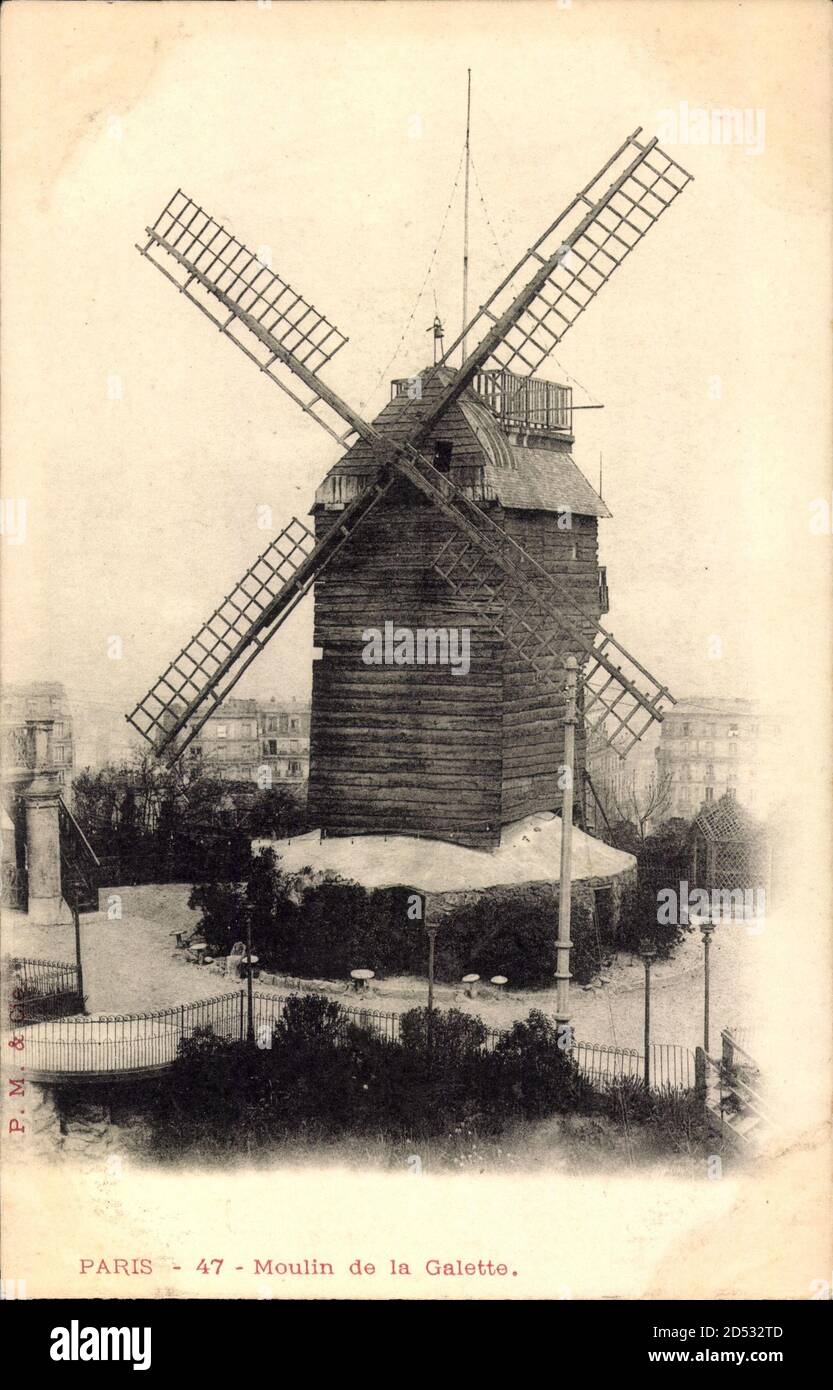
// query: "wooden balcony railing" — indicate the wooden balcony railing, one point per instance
point(527, 403)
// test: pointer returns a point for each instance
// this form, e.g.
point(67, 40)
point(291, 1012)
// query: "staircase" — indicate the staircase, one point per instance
point(735, 1106)
point(79, 863)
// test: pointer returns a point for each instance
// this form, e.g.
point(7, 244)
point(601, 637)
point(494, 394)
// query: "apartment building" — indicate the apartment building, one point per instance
point(39, 700)
point(266, 742)
point(711, 746)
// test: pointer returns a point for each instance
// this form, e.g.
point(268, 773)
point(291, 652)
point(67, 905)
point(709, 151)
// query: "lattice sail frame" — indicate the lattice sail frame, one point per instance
point(621, 699)
point(273, 325)
point(210, 654)
point(558, 277)
point(282, 333)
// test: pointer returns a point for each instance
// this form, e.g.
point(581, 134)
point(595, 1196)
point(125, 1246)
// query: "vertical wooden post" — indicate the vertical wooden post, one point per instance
point(565, 886)
point(429, 1022)
point(466, 219)
point(77, 924)
point(647, 957)
point(432, 937)
point(706, 928)
point(700, 1074)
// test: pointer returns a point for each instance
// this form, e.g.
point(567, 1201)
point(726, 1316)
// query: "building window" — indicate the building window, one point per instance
point(710, 793)
point(443, 449)
point(686, 729)
point(734, 731)
point(221, 730)
point(273, 746)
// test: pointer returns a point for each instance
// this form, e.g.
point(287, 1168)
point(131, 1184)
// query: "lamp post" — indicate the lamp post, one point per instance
point(429, 1022)
point(75, 886)
point(647, 951)
point(432, 937)
point(250, 1014)
point(563, 942)
point(706, 929)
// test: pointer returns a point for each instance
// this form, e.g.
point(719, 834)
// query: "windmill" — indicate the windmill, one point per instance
point(447, 510)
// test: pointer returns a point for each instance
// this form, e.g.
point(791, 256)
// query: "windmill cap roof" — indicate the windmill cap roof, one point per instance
point(537, 475)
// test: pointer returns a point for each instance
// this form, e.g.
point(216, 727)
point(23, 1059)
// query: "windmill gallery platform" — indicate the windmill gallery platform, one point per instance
point(448, 875)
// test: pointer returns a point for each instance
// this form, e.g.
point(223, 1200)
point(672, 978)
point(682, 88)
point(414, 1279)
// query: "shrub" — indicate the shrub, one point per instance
point(447, 1033)
point(515, 937)
point(308, 1019)
point(222, 914)
point(675, 1118)
point(325, 1076)
point(678, 1120)
point(626, 1100)
point(638, 923)
point(536, 1071)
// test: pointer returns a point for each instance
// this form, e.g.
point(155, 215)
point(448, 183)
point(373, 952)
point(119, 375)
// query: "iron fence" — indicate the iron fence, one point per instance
point(268, 1009)
point(45, 989)
point(672, 1066)
point(87, 1048)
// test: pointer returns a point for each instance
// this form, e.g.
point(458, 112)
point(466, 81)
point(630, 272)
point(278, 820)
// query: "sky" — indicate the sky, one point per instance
point(145, 447)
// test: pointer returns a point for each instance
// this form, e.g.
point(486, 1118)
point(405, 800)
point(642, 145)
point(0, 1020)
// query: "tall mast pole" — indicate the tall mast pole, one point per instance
point(563, 942)
point(466, 218)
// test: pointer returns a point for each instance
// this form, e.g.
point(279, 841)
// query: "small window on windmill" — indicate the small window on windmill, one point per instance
point(443, 449)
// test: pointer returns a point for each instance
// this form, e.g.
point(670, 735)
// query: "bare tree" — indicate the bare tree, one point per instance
point(641, 805)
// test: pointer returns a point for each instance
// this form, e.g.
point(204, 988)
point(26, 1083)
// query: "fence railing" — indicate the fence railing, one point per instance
point(46, 989)
point(672, 1066)
point(97, 1047)
point(89, 1047)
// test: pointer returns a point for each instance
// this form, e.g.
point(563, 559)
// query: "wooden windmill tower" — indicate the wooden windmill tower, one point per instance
point(458, 509)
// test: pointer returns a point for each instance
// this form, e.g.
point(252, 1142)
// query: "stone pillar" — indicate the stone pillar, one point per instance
point(43, 837)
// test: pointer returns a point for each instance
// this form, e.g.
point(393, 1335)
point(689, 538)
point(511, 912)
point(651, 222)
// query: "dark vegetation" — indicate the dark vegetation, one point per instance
point(148, 824)
point(322, 1076)
point(325, 929)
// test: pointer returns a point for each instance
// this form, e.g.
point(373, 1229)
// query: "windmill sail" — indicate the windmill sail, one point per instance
point(276, 328)
point(530, 608)
point(558, 278)
point(522, 322)
point(210, 665)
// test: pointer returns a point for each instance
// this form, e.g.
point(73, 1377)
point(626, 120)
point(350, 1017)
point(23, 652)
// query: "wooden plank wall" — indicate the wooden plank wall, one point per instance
point(411, 749)
point(533, 729)
point(415, 749)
